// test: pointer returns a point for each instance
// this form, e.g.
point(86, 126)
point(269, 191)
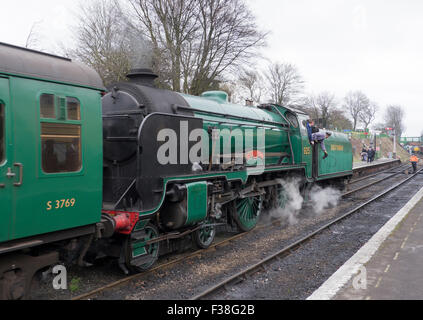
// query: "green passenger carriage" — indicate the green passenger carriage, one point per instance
point(80, 175)
point(49, 172)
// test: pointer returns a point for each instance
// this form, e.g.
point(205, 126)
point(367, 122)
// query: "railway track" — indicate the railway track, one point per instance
point(377, 173)
point(243, 274)
point(399, 171)
point(214, 246)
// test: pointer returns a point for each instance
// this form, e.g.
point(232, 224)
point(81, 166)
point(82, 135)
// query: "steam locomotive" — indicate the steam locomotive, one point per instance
point(126, 171)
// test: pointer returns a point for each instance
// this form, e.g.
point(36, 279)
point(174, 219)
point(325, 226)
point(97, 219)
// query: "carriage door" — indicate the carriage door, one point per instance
point(6, 162)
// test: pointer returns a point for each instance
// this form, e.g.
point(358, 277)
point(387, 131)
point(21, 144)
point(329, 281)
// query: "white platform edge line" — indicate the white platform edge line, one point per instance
point(332, 285)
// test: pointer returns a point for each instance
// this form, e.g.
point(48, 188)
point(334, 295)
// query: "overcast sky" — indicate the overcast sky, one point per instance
point(338, 45)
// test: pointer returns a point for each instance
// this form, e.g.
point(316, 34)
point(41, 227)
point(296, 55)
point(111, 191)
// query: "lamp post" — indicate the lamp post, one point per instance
point(375, 146)
point(395, 145)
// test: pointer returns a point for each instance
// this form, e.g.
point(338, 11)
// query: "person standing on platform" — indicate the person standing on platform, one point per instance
point(371, 154)
point(364, 153)
point(414, 160)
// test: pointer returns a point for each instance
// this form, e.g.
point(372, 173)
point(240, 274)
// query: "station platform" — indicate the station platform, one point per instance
point(388, 266)
point(362, 164)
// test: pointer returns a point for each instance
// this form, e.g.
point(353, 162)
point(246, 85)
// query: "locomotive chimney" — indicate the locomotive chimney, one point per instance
point(142, 76)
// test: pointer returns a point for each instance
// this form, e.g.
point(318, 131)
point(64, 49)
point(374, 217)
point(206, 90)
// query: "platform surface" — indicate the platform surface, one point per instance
point(396, 269)
point(362, 164)
point(388, 266)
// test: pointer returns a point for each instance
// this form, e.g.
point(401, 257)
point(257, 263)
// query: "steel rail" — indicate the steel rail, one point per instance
point(160, 266)
point(296, 244)
point(377, 173)
point(371, 184)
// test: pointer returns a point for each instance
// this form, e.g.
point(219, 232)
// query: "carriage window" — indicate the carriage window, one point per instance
point(61, 147)
point(74, 110)
point(2, 133)
point(47, 108)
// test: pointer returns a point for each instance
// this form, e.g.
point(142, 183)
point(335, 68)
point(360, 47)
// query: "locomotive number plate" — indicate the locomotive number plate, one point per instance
point(307, 150)
point(336, 147)
point(59, 204)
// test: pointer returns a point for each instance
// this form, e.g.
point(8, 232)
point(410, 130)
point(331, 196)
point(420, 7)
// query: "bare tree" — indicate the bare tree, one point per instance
point(355, 103)
point(368, 114)
point(308, 106)
point(201, 39)
point(33, 39)
point(169, 25)
point(252, 83)
point(285, 83)
point(322, 106)
point(233, 91)
point(339, 121)
point(394, 117)
point(230, 37)
point(103, 40)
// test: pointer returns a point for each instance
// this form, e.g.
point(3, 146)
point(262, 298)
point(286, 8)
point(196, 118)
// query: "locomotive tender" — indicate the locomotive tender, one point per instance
point(80, 175)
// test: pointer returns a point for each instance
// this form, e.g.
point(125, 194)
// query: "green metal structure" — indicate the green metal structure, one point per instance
point(50, 171)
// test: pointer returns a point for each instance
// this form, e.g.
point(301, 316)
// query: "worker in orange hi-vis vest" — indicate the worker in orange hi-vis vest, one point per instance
point(414, 160)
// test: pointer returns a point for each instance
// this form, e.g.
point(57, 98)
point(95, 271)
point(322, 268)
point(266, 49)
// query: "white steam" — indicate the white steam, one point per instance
point(323, 198)
point(292, 201)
